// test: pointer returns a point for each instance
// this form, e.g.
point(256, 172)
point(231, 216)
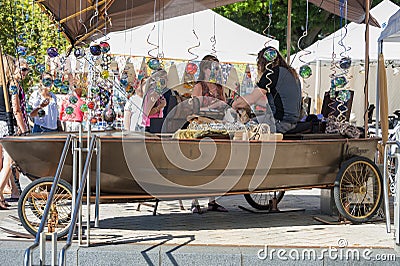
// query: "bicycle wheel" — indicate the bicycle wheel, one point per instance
point(358, 189)
point(33, 200)
point(260, 201)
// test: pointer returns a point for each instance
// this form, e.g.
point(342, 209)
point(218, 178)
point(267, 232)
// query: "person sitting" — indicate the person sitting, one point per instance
point(282, 87)
point(44, 104)
point(211, 96)
point(132, 109)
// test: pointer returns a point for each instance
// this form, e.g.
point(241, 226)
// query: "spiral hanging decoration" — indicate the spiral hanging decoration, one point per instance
point(195, 56)
point(305, 70)
point(266, 30)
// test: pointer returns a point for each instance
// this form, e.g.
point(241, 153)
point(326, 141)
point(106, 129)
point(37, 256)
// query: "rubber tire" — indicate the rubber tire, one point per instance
point(258, 206)
point(24, 194)
point(336, 190)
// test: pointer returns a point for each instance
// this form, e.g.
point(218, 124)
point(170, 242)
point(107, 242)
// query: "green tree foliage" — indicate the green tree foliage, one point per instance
point(25, 24)
point(253, 14)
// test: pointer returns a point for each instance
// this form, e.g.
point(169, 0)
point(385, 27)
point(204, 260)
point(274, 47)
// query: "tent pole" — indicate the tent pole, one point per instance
point(3, 83)
point(377, 103)
point(316, 88)
point(367, 7)
point(289, 31)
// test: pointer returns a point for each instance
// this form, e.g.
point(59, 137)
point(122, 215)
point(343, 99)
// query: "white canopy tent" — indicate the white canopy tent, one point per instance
point(320, 60)
point(234, 43)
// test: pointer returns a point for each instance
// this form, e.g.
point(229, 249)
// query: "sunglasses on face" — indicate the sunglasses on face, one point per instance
point(47, 82)
point(24, 69)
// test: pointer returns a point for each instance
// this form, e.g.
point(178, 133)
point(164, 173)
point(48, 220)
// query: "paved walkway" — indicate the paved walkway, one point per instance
point(229, 238)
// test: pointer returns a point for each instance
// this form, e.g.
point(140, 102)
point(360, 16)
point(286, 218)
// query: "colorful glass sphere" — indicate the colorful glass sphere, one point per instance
point(31, 60)
point(64, 89)
point(79, 52)
point(344, 95)
point(69, 110)
point(52, 52)
point(58, 83)
point(21, 50)
point(29, 108)
point(191, 68)
point(345, 63)
point(73, 99)
point(95, 50)
point(105, 47)
point(93, 120)
point(154, 63)
point(40, 68)
point(41, 113)
point(47, 82)
point(84, 108)
point(124, 82)
point(95, 89)
point(91, 105)
point(109, 115)
point(338, 82)
point(305, 71)
point(270, 54)
point(105, 74)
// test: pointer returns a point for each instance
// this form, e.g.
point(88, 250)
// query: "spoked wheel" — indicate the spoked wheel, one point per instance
point(260, 201)
point(358, 189)
point(32, 203)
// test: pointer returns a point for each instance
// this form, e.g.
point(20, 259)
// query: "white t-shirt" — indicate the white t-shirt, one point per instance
point(134, 105)
point(51, 110)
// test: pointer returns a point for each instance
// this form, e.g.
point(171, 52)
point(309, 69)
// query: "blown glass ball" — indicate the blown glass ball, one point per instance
point(109, 115)
point(93, 120)
point(58, 83)
point(84, 108)
point(52, 52)
point(305, 71)
point(95, 90)
point(40, 68)
point(69, 110)
point(95, 50)
point(91, 105)
point(79, 52)
point(105, 47)
point(270, 54)
point(345, 63)
point(191, 68)
point(64, 89)
point(21, 50)
point(124, 82)
point(338, 82)
point(105, 74)
point(41, 113)
point(31, 60)
point(154, 64)
point(344, 95)
point(73, 99)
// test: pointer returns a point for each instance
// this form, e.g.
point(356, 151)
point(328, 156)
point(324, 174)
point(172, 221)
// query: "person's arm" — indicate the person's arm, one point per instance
point(127, 119)
point(249, 99)
point(43, 104)
point(22, 128)
point(156, 109)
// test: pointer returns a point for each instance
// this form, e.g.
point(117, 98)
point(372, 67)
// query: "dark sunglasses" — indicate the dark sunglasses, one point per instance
point(24, 69)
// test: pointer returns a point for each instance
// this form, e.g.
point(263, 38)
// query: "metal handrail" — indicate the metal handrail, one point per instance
point(78, 202)
point(28, 253)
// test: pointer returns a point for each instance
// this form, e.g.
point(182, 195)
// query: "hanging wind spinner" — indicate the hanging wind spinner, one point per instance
point(305, 70)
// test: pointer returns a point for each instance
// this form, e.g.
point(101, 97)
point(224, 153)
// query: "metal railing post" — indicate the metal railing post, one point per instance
point(98, 174)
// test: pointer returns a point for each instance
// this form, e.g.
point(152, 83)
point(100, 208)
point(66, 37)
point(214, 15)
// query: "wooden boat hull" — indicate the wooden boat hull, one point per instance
point(162, 167)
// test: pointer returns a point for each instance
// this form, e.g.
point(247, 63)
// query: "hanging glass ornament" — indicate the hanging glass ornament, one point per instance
point(105, 47)
point(93, 120)
point(79, 52)
point(31, 60)
point(124, 82)
point(21, 50)
point(40, 68)
point(58, 83)
point(95, 89)
point(22, 37)
point(270, 54)
point(84, 108)
point(64, 89)
point(109, 115)
point(69, 110)
point(52, 52)
point(345, 63)
point(91, 105)
point(105, 74)
point(47, 82)
point(338, 82)
point(305, 71)
point(344, 95)
point(191, 68)
point(95, 50)
point(41, 113)
point(29, 108)
point(154, 63)
point(73, 99)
